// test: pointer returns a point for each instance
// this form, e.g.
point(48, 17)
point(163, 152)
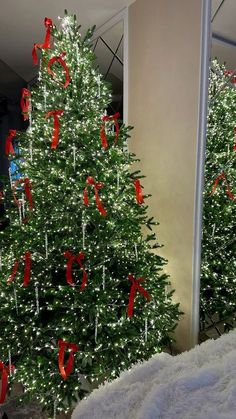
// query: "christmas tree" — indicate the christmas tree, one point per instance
point(218, 277)
point(83, 295)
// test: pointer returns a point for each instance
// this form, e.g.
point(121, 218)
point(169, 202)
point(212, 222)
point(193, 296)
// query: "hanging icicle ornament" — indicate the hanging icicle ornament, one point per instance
point(31, 150)
point(213, 230)
point(99, 85)
point(15, 298)
point(23, 205)
point(74, 155)
point(54, 409)
point(20, 212)
point(10, 363)
point(10, 178)
point(228, 149)
point(37, 298)
point(83, 234)
point(136, 251)
point(118, 183)
point(96, 328)
point(45, 97)
point(146, 330)
point(1, 260)
point(40, 70)
point(46, 246)
point(103, 277)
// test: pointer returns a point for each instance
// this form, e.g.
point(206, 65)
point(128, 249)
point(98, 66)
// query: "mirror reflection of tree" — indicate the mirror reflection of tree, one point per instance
point(218, 274)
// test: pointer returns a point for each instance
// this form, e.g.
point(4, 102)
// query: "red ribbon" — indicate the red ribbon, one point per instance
point(138, 190)
point(5, 372)
point(27, 260)
point(71, 259)
point(66, 371)
point(27, 187)
point(8, 146)
point(222, 176)
point(229, 73)
point(63, 64)
point(48, 24)
point(103, 131)
point(135, 287)
point(24, 103)
point(96, 186)
point(56, 126)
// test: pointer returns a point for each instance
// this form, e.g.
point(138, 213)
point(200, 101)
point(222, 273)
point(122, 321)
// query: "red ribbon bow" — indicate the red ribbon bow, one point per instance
point(8, 146)
point(71, 259)
point(222, 176)
point(24, 103)
point(103, 131)
point(48, 24)
point(27, 187)
point(5, 372)
point(63, 64)
point(56, 126)
point(96, 186)
point(66, 371)
point(138, 190)
point(229, 73)
point(135, 287)
point(27, 260)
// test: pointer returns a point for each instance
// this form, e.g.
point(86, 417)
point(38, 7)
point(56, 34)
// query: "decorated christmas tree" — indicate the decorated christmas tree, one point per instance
point(83, 294)
point(218, 278)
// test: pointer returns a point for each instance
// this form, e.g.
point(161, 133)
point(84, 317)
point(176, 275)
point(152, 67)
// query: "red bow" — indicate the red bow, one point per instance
point(222, 176)
point(96, 186)
point(27, 187)
point(71, 259)
point(5, 373)
point(24, 103)
point(138, 190)
point(8, 146)
point(103, 132)
point(48, 24)
point(56, 126)
point(229, 73)
point(63, 64)
point(135, 287)
point(66, 371)
point(27, 260)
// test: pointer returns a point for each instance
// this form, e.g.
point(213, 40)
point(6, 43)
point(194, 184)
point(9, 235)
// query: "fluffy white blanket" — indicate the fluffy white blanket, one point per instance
point(199, 384)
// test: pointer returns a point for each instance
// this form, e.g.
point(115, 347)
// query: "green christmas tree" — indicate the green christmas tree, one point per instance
point(218, 277)
point(82, 291)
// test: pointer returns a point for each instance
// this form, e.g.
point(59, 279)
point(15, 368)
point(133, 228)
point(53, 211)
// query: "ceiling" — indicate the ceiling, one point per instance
point(22, 24)
point(224, 32)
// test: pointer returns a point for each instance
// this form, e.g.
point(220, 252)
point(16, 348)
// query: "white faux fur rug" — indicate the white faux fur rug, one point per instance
point(199, 384)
